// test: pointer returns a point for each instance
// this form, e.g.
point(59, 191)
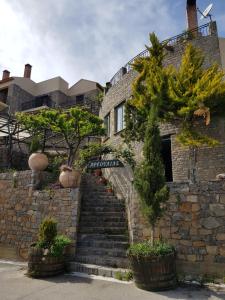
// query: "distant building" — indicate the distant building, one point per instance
point(22, 93)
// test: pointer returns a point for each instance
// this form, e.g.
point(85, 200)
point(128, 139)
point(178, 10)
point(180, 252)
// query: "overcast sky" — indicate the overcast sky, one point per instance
point(88, 39)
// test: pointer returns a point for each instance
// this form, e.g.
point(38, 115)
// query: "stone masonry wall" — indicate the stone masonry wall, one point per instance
point(194, 222)
point(21, 213)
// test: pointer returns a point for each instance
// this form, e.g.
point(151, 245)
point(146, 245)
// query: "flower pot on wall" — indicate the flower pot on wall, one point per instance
point(69, 178)
point(38, 161)
point(98, 172)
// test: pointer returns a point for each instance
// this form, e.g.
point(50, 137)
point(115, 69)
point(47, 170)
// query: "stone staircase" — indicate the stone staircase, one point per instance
point(103, 234)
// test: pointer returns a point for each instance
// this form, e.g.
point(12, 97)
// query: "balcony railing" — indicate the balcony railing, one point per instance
point(204, 30)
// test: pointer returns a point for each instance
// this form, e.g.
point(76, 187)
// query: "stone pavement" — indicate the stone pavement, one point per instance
point(14, 285)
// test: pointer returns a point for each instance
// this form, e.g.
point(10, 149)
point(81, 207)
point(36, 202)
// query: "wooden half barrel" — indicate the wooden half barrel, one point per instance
point(44, 266)
point(155, 273)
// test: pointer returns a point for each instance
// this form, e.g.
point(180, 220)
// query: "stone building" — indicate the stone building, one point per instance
point(195, 218)
point(23, 94)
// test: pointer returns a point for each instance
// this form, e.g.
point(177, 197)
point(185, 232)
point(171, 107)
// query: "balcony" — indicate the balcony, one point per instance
point(205, 30)
point(42, 101)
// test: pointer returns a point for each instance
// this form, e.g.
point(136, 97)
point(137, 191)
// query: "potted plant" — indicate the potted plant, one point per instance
point(35, 126)
point(68, 177)
point(98, 172)
point(153, 265)
point(46, 257)
point(109, 188)
point(72, 128)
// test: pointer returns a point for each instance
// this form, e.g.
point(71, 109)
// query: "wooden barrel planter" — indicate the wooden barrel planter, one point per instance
point(156, 273)
point(44, 266)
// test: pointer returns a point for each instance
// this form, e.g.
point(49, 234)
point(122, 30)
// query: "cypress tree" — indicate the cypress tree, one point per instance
point(149, 176)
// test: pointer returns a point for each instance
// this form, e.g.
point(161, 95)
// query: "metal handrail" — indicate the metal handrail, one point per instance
point(203, 30)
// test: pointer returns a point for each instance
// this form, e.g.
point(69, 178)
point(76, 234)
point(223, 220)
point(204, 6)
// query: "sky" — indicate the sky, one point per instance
point(90, 39)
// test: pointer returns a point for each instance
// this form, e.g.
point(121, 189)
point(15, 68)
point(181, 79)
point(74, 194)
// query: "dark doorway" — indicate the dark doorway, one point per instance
point(167, 157)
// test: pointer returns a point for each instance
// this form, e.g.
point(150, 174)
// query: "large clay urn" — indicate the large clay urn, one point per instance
point(69, 178)
point(38, 161)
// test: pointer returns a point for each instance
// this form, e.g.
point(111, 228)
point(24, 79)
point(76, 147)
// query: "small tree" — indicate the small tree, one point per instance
point(70, 127)
point(150, 175)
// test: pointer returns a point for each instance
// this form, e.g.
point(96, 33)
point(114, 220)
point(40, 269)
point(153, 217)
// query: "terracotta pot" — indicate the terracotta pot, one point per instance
point(98, 172)
point(38, 161)
point(69, 179)
point(102, 180)
point(109, 190)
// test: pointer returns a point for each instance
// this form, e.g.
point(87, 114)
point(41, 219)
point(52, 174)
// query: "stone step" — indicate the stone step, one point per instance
point(115, 252)
point(100, 223)
point(105, 209)
point(92, 218)
point(91, 269)
point(103, 244)
point(102, 237)
point(100, 214)
point(100, 206)
point(103, 230)
point(115, 262)
point(101, 198)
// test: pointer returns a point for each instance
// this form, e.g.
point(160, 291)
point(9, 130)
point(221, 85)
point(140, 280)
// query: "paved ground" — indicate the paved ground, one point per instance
point(14, 285)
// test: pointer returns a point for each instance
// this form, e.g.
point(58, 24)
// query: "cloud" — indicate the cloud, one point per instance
point(79, 39)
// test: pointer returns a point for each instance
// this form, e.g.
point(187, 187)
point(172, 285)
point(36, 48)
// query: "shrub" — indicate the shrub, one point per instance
point(59, 244)
point(47, 232)
point(144, 249)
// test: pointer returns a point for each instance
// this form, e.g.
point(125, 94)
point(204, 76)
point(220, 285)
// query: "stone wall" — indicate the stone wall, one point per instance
point(17, 96)
point(21, 212)
point(194, 222)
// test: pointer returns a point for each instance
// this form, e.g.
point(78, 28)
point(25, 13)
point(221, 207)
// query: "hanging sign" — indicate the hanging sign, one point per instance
point(98, 164)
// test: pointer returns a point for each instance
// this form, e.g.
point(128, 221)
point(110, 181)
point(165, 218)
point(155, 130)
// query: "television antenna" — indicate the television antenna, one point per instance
point(206, 13)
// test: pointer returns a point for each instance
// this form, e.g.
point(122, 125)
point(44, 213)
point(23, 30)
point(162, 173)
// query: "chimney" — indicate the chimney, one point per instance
point(5, 74)
point(192, 17)
point(27, 71)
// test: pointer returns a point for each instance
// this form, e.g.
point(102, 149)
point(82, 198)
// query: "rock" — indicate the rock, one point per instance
point(220, 236)
point(211, 249)
point(220, 176)
point(210, 223)
point(217, 209)
point(185, 207)
point(192, 198)
point(195, 207)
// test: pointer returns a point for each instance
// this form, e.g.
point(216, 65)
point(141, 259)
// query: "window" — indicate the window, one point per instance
point(119, 118)
point(167, 157)
point(107, 125)
point(80, 99)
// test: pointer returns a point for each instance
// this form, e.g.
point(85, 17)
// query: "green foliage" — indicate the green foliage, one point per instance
point(59, 244)
point(47, 232)
point(90, 151)
point(144, 249)
point(126, 155)
point(127, 276)
point(36, 126)
point(55, 164)
point(149, 177)
point(72, 126)
point(184, 96)
point(96, 150)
